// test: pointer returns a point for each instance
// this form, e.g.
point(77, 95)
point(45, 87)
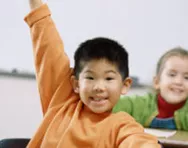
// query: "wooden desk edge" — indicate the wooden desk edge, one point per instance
point(173, 142)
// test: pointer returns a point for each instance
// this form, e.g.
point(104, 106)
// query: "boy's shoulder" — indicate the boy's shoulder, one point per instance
point(125, 123)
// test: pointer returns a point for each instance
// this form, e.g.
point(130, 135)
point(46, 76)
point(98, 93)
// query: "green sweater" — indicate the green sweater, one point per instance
point(144, 110)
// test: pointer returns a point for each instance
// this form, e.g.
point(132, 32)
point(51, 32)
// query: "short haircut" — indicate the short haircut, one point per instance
point(101, 48)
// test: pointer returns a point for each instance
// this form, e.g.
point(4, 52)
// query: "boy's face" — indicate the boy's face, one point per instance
point(173, 81)
point(100, 85)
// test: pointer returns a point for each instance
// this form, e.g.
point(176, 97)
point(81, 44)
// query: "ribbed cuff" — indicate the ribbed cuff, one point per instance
point(37, 14)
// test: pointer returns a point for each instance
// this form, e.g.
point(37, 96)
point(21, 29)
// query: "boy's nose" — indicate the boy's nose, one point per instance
point(99, 87)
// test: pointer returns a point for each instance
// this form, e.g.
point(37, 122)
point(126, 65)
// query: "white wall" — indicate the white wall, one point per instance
point(147, 28)
point(20, 111)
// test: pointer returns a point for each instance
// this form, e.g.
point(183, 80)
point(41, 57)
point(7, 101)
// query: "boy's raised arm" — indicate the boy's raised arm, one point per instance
point(52, 64)
point(131, 135)
point(35, 4)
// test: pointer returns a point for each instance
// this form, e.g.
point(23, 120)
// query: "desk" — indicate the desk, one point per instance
point(177, 140)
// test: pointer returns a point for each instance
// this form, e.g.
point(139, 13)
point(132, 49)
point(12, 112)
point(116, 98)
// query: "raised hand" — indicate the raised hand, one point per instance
point(35, 4)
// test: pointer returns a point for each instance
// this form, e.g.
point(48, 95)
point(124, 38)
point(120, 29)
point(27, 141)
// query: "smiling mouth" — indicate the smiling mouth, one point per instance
point(177, 93)
point(98, 101)
point(177, 90)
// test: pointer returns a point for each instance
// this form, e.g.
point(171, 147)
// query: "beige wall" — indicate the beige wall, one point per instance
point(20, 112)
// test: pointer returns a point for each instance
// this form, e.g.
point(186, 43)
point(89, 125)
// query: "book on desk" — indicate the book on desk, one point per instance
point(170, 138)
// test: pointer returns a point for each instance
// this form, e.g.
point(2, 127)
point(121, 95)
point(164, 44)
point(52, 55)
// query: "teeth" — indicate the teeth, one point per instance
point(177, 91)
point(97, 99)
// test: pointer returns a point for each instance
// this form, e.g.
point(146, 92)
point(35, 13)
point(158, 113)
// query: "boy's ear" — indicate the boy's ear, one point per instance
point(156, 82)
point(126, 85)
point(75, 84)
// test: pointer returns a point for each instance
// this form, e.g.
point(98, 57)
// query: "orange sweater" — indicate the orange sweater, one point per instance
point(67, 122)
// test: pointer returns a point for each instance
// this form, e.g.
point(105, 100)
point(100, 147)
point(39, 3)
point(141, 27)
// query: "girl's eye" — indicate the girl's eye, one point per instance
point(172, 74)
point(186, 77)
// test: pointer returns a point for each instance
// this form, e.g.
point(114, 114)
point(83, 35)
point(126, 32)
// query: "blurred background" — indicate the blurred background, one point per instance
point(146, 28)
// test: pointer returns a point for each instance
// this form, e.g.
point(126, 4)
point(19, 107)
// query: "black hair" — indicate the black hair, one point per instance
point(101, 48)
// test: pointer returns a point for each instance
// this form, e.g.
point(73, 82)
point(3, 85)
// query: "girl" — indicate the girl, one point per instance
point(168, 107)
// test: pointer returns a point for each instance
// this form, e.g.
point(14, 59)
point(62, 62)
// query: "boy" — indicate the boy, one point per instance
point(77, 104)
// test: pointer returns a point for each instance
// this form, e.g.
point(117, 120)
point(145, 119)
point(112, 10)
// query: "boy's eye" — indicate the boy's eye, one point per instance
point(89, 78)
point(109, 78)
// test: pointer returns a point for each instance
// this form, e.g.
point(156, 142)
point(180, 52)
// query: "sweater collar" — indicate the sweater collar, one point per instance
point(166, 109)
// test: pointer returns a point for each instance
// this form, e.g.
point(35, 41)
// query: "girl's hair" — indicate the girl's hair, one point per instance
point(177, 51)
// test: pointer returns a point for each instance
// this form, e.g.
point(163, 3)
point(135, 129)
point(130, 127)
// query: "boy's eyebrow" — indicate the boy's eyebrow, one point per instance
point(107, 71)
point(88, 71)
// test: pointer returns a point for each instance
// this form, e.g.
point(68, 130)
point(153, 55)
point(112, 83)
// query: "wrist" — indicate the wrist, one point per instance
point(35, 4)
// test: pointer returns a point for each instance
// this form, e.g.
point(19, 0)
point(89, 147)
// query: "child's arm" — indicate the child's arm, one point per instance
point(140, 140)
point(140, 107)
point(52, 64)
point(35, 4)
point(131, 135)
point(124, 104)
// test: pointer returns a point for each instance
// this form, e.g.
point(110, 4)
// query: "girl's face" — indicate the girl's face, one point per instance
point(173, 80)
